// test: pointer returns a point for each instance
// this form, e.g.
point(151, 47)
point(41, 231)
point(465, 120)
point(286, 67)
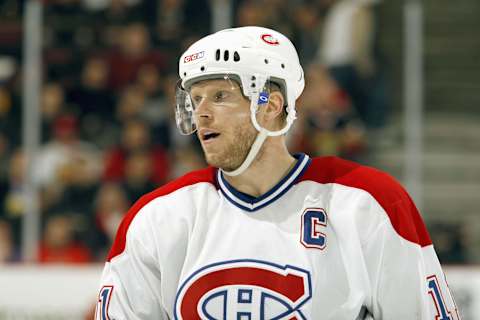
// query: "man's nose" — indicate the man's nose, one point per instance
point(203, 109)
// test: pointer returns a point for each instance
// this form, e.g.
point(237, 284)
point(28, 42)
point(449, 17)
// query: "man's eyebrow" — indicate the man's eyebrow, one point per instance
point(214, 88)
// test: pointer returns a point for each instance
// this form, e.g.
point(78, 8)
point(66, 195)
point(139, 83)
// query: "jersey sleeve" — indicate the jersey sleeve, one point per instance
point(405, 274)
point(136, 272)
point(130, 282)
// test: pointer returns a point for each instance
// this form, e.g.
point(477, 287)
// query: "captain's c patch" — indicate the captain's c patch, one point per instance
point(314, 223)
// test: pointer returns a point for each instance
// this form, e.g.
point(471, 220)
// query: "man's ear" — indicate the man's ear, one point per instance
point(273, 111)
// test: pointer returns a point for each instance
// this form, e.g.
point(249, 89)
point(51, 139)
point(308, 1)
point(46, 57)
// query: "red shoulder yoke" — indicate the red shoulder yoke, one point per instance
point(205, 175)
point(393, 198)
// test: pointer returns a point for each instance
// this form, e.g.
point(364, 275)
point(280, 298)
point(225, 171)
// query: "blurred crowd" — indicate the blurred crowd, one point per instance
point(108, 133)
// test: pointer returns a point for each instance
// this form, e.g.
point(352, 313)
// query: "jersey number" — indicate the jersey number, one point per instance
point(437, 296)
point(103, 302)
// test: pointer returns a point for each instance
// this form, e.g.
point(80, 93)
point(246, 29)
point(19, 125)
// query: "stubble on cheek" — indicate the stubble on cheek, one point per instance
point(233, 149)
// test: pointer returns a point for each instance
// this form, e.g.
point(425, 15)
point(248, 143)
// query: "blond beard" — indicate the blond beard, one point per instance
point(236, 150)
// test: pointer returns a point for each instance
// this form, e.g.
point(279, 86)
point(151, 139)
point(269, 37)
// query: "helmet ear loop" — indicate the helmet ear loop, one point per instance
point(262, 98)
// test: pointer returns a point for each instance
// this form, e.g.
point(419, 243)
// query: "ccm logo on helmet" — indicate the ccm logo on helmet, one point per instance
point(244, 289)
point(194, 57)
point(268, 38)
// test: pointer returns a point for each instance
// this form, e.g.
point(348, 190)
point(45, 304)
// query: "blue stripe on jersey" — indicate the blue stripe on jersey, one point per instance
point(249, 203)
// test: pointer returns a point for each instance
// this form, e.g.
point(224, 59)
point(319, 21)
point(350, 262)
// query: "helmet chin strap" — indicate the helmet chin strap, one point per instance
point(262, 132)
point(257, 144)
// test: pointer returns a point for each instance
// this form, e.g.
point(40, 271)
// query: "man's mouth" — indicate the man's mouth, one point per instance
point(208, 135)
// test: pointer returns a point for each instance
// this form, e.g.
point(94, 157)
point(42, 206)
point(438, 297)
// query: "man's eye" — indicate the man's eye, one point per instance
point(196, 100)
point(220, 96)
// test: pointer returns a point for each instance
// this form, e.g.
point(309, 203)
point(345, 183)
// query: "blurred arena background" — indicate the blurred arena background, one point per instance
point(87, 126)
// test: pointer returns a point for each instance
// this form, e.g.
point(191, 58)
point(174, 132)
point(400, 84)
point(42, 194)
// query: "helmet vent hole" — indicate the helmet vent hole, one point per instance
point(184, 74)
point(266, 61)
point(283, 66)
point(225, 55)
point(202, 68)
point(236, 56)
point(253, 85)
point(217, 55)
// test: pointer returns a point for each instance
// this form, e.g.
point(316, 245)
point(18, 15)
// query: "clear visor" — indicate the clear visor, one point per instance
point(219, 92)
point(184, 111)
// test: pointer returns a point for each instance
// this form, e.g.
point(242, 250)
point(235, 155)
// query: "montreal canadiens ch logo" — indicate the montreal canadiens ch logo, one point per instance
point(244, 290)
point(268, 38)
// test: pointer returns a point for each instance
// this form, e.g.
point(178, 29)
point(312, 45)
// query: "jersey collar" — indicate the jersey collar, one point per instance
point(249, 203)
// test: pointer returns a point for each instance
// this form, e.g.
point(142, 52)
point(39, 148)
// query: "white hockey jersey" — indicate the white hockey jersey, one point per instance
point(332, 240)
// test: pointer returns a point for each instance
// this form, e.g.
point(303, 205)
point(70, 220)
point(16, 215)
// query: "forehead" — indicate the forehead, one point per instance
point(215, 84)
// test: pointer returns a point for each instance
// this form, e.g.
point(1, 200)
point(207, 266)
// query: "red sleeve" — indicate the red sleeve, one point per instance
point(391, 196)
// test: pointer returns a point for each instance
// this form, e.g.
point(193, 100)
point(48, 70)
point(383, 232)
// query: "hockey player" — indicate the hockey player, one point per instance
point(261, 233)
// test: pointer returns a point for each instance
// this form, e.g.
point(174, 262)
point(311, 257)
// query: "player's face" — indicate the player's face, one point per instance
point(223, 118)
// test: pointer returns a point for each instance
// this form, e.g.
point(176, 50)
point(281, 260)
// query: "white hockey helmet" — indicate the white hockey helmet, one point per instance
point(252, 56)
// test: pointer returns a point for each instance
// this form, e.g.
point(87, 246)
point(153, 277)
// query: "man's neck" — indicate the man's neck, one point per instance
point(271, 165)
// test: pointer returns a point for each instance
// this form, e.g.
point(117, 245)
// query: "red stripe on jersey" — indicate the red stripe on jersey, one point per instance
point(393, 198)
point(205, 175)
